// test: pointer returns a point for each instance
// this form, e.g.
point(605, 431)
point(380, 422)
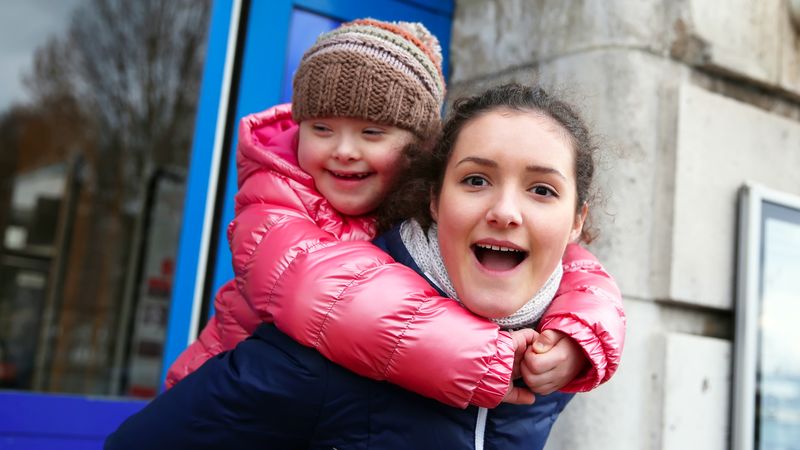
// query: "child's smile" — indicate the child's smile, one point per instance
point(353, 161)
point(350, 176)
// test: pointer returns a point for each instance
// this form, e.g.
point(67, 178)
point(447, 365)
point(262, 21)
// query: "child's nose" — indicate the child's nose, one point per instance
point(346, 150)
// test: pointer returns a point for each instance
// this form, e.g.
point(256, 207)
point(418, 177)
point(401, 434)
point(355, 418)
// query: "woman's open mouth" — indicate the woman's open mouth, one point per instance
point(498, 258)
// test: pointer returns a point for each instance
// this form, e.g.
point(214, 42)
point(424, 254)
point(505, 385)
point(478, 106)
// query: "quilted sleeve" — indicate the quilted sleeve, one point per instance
point(206, 346)
point(360, 309)
point(380, 319)
point(355, 305)
point(588, 308)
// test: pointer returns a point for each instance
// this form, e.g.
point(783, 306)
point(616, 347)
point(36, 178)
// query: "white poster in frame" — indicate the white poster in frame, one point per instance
point(766, 393)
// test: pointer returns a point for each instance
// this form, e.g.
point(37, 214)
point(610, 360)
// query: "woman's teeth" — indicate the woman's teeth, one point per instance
point(497, 248)
point(495, 257)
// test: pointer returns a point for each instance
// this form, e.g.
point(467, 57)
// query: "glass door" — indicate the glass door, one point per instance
point(113, 222)
point(96, 135)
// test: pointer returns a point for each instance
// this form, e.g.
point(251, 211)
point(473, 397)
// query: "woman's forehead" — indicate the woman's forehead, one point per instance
point(529, 138)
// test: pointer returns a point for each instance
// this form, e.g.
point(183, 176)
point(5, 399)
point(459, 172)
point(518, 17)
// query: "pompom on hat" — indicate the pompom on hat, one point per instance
point(384, 72)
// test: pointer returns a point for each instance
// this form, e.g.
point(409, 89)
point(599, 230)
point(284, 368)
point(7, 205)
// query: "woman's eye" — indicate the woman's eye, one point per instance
point(475, 181)
point(373, 132)
point(320, 128)
point(544, 191)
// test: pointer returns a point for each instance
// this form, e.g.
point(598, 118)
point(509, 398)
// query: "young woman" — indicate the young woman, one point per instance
point(508, 191)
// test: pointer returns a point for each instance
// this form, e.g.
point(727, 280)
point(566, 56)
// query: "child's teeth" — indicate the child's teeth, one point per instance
point(351, 175)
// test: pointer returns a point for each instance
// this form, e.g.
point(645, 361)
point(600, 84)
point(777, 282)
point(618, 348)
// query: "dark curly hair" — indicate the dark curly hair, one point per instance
point(424, 174)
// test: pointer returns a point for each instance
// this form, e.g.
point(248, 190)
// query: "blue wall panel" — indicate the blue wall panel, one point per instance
point(47, 421)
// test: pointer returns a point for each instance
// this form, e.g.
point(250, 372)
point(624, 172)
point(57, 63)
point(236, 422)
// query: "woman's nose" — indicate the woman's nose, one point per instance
point(504, 211)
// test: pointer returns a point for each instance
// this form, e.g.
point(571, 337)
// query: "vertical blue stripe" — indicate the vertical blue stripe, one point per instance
point(197, 184)
point(259, 88)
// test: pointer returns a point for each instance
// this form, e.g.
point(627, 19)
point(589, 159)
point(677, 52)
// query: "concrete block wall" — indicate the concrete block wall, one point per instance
point(691, 100)
point(722, 143)
point(752, 40)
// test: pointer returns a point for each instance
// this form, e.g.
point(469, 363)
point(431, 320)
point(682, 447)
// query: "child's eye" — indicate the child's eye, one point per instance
point(544, 191)
point(373, 132)
point(475, 181)
point(320, 128)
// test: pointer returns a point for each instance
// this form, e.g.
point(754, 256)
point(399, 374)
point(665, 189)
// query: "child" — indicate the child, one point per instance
point(361, 93)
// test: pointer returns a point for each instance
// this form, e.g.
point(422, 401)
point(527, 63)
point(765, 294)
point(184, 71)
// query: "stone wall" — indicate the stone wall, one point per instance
point(691, 98)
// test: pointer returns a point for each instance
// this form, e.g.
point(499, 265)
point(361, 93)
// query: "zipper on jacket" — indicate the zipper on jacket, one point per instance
point(480, 428)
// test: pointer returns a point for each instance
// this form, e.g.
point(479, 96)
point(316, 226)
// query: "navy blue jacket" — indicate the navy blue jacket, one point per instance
point(273, 393)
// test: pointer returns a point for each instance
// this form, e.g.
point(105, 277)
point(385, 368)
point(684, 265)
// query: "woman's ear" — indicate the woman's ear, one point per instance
point(577, 226)
point(434, 207)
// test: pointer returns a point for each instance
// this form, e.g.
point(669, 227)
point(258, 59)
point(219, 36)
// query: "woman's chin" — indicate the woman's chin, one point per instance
point(489, 308)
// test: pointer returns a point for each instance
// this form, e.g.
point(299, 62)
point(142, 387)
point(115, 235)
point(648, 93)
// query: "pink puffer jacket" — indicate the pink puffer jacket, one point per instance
point(313, 272)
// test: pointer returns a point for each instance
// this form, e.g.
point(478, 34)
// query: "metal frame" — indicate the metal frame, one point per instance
point(201, 186)
point(748, 307)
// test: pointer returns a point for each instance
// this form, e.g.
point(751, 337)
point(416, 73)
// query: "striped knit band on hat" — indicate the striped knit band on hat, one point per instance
point(384, 72)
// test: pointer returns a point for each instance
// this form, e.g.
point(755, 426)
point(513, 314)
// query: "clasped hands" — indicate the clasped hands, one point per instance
point(545, 361)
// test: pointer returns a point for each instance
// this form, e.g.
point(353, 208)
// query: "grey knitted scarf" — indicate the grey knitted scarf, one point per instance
point(424, 249)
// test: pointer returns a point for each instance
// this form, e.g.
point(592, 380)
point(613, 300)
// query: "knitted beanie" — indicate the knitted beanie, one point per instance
point(385, 72)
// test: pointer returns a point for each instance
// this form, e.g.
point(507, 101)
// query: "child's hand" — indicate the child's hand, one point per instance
point(520, 395)
point(552, 362)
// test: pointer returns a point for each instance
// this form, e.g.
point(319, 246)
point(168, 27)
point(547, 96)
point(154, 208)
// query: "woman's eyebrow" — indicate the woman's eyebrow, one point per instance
point(544, 169)
point(530, 168)
point(477, 160)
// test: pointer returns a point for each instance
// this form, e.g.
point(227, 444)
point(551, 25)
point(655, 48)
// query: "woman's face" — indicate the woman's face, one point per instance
point(506, 210)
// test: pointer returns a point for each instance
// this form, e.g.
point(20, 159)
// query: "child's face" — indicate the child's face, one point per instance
point(353, 162)
point(506, 209)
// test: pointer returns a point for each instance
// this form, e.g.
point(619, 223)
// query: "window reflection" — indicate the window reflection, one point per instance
point(779, 359)
point(92, 159)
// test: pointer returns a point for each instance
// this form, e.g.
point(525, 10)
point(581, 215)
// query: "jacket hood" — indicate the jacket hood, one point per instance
point(268, 140)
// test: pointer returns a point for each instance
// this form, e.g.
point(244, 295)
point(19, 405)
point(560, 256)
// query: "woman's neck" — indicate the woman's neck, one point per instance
point(424, 249)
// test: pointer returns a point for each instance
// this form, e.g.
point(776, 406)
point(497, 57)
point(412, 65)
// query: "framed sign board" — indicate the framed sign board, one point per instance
point(766, 389)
